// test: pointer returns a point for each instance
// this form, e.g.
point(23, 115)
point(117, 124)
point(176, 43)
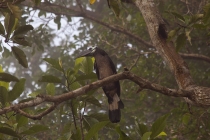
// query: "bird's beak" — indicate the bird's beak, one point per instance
point(84, 53)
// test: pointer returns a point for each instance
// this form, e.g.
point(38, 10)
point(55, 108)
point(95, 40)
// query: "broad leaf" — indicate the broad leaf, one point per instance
point(3, 95)
point(50, 79)
point(93, 100)
point(20, 39)
point(50, 89)
point(35, 129)
point(22, 30)
point(158, 126)
point(180, 17)
point(21, 120)
point(146, 136)
point(8, 77)
point(94, 129)
point(2, 31)
point(142, 128)
point(20, 56)
point(15, 10)
point(180, 41)
point(8, 131)
point(99, 116)
point(86, 77)
point(122, 134)
point(17, 90)
point(115, 7)
point(54, 63)
point(76, 135)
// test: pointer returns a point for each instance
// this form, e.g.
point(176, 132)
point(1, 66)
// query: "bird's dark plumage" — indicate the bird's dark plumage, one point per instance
point(104, 67)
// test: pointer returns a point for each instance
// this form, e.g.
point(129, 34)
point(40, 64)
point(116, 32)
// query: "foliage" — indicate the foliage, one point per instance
point(45, 46)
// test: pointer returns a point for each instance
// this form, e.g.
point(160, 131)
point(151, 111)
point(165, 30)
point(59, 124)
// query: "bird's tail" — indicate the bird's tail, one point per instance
point(114, 109)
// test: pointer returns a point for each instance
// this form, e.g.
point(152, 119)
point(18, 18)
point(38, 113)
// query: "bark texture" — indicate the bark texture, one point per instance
point(155, 25)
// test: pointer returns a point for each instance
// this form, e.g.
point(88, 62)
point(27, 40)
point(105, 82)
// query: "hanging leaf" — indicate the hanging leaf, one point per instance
point(6, 53)
point(146, 136)
point(158, 126)
point(22, 30)
point(2, 31)
point(93, 100)
point(3, 95)
point(115, 7)
point(4, 84)
point(50, 89)
point(180, 41)
point(122, 134)
point(76, 135)
point(20, 39)
point(35, 129)
point(94, 129)
point(17, 90)
point(86, 77)
point(15, 10)
point(9, 24)
point(21, 120)
point(99, 116)
point(8, 77)
point(20, 56)
point(50, 79)
point(142, 128)
point(8, 131)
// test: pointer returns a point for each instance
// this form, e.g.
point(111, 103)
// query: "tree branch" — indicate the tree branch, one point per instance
point(144, 84)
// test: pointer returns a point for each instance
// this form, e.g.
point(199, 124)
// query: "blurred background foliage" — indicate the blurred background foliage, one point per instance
point(40, 41)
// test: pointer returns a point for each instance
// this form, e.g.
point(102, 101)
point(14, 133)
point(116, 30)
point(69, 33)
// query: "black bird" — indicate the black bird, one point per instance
point(104, 67)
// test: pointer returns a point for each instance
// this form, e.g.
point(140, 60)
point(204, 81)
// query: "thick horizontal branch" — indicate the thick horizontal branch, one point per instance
point(144, 84)
point(196, 57)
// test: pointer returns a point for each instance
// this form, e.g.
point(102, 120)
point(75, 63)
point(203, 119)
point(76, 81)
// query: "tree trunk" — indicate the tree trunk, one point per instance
point(156, 28)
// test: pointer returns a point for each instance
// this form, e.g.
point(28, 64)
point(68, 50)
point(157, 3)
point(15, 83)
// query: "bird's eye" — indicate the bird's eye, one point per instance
point(90, 49)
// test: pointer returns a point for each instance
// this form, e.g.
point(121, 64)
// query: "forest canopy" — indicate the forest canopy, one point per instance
point(161, 50)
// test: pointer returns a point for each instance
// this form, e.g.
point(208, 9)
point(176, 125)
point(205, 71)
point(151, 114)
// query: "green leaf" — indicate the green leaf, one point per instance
point(180, 17)
point(2, 31)
point(3, 95)
point(50, 89)
point(74, 106)
point(186, 118)
point(9, 24)
point(94, 129)
point(20, 56)
point(86, 65)
point(180, 41)
point(4, 84)
point(207, 13)
point(15, 10)
point(86, 77)
point(172, 34)
point(76, 135)
point(162, 134)
point(22, 30)
point(17, 90)
point(20, 39)
point(122, 134)
point(21, 120)
point(93, 100)
point(54, 63)
point(142, 128)
point(187, 33)
point(99, 116)
point(8, 77)
point(37, 2)
point(158, 126)
point(146, 136)
point(8, 131)
point(50, 79)
point(35, 129)
point(114, 5)
point(6, 53)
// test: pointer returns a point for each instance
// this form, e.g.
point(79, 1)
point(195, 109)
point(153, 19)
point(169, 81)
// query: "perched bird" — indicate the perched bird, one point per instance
point(104, 67)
